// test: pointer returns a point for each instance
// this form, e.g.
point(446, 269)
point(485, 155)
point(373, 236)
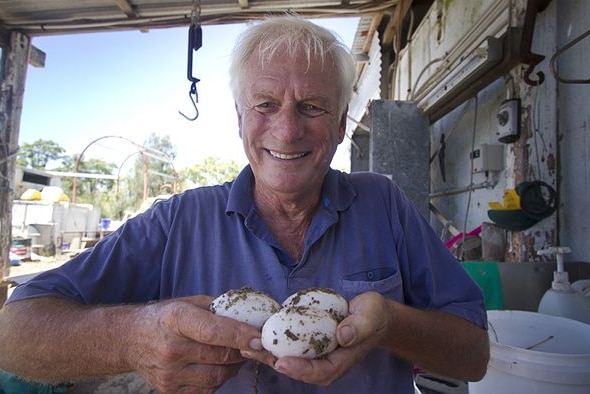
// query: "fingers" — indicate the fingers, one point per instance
point(220, 331)
point(262, 356)
point(361, 331)
point(368, 320)
point(322, 371)
point(212, 347)
point(190, 318)
point(190, 349)
point(194, 352)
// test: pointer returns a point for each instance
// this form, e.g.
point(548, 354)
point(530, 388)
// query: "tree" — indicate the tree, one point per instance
point(210, 171)
point(91, 190)
point(39, 153)
point(86, 187)
point(154, 160)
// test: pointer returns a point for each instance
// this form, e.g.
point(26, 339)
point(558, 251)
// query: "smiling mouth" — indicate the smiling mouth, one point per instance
point(284, 156)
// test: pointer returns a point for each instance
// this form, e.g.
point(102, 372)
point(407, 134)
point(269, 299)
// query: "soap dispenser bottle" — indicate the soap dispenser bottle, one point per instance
point(562, 299)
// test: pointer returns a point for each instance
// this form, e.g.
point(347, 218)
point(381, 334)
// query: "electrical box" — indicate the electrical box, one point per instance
point(488, 157)
point(509, 121)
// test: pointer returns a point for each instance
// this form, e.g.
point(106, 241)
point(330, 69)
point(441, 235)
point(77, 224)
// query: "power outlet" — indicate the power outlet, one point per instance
point(509, 121)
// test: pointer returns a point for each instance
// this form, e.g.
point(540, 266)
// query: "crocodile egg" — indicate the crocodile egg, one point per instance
point(300, 332)
point(320, 298)
point(245, 305)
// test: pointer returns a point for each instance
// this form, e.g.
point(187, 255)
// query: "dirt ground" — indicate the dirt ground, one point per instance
point(37, 264)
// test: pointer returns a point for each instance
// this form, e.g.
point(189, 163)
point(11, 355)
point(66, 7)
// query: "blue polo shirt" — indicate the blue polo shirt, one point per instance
point(365, 236)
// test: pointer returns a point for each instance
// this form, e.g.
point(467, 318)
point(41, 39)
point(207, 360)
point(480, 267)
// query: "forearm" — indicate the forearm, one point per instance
point(53, 340)
point(437, 341)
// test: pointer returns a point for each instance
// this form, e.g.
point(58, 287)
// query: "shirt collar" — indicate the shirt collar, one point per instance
point(337, 192)
point(240, 194)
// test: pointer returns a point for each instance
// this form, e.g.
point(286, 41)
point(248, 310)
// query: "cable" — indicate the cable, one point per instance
point(538, 200)
point(428, 65)
point(536, 122)
point(475, 108)
point(553, 65)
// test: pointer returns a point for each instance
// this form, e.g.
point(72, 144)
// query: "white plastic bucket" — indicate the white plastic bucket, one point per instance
point(536, 353)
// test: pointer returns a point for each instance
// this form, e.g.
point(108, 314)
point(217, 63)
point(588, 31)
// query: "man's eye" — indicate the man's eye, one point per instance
point(311, 110)
point(265, 107)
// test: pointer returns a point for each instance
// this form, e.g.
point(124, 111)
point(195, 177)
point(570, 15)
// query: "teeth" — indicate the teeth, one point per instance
point(285, 156)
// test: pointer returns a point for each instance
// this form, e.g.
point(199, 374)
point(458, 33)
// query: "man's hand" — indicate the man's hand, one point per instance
point(427, 338)
point(178, 345)
point(361, 331)
point(182, 347)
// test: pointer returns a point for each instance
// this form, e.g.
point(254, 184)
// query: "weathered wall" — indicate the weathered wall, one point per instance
point(533, 157)
point(554, 145)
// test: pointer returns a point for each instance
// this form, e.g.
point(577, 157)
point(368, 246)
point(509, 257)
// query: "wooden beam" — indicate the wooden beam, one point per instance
point(37, 57)
point(127, 8)
point(4, 37)
point(394, 27)
point(3, 29)
point(15, 59)
point(371, 32)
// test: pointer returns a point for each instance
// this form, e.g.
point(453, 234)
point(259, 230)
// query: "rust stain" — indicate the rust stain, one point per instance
point(551, 163)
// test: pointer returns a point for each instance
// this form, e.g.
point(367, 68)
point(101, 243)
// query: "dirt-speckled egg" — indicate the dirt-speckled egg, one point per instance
point(320, 298)
point(245, 305)
point(300, 332)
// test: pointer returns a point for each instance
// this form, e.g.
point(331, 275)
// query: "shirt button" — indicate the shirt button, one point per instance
point(370, 275)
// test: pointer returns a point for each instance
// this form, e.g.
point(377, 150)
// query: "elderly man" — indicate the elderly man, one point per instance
point(138, 301)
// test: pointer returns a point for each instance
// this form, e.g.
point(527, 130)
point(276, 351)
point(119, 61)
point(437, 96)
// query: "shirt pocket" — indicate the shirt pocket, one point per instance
point(385, 281)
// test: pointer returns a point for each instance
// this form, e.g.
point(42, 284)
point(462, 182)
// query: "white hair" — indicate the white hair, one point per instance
point(294, 35)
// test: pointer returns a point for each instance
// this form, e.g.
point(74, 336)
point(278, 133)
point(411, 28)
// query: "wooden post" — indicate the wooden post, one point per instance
point(15, 58)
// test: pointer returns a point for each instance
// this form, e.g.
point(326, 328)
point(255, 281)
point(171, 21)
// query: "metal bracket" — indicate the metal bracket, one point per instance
point(532, 59)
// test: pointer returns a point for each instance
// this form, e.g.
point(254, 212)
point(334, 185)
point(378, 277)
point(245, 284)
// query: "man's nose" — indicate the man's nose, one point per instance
point(288, 125)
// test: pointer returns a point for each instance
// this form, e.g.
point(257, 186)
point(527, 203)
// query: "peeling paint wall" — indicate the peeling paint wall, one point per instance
point(554, 146)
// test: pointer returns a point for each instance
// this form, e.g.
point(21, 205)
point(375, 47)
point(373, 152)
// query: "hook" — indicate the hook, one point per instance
point(527, 76)
point(194, 101)
point(531, 59)
point(195, 41)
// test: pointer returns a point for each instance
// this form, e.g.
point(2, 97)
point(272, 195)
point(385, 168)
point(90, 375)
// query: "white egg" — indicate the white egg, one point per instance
point(300, 332)
point(245, 305)
point(322, 298)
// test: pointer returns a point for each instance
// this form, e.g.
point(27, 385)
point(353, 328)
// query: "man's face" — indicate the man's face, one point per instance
point(289, 123)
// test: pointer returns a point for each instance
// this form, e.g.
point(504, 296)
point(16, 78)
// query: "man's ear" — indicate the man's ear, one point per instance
point(342, 127)
point(239, 114)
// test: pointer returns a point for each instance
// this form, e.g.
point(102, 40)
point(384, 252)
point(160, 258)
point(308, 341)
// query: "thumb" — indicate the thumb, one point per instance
point(354, 329)
point(346, 334)
point(366, 319)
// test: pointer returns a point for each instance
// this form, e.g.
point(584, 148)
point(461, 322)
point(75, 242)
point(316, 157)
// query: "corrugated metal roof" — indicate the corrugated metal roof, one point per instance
point(34, 17)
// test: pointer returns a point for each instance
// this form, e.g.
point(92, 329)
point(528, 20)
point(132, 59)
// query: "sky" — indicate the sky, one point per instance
point(132, 84)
